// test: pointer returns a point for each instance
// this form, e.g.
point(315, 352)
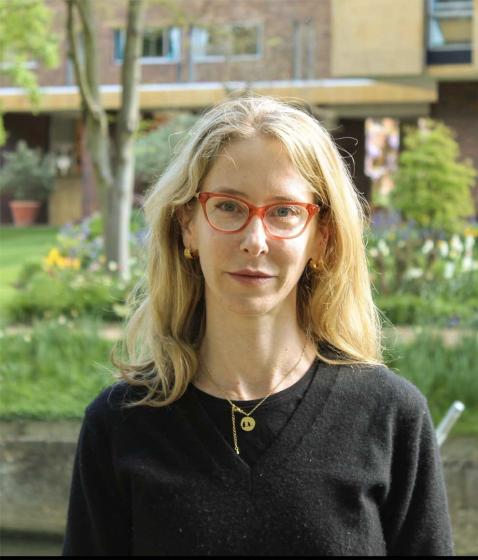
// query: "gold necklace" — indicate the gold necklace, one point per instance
point(248, 423)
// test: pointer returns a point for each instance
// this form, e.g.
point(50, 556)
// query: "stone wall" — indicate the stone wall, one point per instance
point(36, 461)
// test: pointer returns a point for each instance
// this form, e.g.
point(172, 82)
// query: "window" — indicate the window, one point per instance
point(163, 44)
point(450, 31)
point(228, 40)
point(245, 40)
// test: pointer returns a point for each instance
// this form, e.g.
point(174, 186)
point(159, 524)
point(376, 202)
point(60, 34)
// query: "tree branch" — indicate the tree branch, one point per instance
point(91, 103)
point(86, 15)
point(130, 74)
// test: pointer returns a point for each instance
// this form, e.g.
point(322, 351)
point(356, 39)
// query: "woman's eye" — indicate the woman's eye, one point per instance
point(285, 211)
point(227, 206)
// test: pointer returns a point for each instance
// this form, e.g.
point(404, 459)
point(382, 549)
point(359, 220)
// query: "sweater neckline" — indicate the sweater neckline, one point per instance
point(226, 462)
point(271, 400)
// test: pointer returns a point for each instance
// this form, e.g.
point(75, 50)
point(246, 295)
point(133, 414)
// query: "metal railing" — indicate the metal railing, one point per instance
point(451, 8)
point(448, 421)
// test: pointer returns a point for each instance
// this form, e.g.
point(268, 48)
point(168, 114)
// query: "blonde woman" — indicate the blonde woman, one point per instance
point(254, 415)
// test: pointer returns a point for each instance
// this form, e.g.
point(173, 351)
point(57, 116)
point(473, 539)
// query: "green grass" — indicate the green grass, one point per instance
point(55, 371)
point(18, 246)
point(443, 374)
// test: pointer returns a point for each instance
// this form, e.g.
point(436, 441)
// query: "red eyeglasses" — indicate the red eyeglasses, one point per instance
point(231, 214)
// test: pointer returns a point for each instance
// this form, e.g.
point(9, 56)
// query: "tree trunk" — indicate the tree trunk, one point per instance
point(116, 189)
point(122, 195)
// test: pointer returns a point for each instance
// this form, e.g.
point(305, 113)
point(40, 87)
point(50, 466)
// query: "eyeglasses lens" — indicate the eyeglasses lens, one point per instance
point(282, 219)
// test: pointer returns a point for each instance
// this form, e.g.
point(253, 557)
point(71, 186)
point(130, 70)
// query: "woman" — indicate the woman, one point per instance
point(255, 415)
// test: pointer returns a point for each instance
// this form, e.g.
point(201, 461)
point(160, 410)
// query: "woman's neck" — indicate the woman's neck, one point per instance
point(249, 364)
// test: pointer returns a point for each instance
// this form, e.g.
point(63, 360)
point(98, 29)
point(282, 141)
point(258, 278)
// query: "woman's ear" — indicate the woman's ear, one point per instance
point(185, 216)
point(321, 241)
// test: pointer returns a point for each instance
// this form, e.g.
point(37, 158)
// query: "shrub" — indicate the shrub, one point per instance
point(154, 149)
point(50, 294)
point(27, 174)
point(72, 279)
point(432, 187)
point(419, 280)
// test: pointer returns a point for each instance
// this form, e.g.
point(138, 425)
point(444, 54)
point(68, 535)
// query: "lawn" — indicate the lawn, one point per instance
point(18, 246)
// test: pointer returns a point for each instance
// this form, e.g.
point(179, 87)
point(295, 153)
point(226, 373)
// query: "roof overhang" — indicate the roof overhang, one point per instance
point(330, 92)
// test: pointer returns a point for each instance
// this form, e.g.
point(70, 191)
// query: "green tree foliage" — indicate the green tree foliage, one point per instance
point(155, 149)
point(25, 37)
point(432, 187)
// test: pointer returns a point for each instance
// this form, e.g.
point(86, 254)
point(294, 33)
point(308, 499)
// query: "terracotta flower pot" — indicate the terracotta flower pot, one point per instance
point(24, 212)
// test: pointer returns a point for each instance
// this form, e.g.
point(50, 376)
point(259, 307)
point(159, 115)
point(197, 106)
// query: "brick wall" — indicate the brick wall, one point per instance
point(276, 18)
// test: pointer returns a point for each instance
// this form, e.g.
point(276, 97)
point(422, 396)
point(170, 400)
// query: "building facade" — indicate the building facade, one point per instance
point(348, 59)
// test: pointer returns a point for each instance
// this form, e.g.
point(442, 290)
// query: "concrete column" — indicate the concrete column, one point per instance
point(350, 137)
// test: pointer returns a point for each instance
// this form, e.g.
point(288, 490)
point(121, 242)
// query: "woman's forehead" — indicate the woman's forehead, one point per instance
point(268, 196)
point(256, 166)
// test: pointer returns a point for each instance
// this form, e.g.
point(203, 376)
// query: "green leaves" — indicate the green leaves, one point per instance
point(432, 187)
point(26, 40)
point(27, 175)
point(155, 149)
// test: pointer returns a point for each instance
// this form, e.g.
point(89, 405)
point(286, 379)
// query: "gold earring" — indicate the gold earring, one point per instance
point(187, 253)
point(314, 265)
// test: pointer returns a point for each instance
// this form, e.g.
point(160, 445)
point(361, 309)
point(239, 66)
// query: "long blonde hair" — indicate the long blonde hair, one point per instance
point(334, 307)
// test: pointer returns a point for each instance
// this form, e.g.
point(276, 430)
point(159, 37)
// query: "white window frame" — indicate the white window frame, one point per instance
point(438, 10)
point(236, 57)
point(146, 60)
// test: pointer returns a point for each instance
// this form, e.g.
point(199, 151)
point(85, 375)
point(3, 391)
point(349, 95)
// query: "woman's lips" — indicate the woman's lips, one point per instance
point(251, 279)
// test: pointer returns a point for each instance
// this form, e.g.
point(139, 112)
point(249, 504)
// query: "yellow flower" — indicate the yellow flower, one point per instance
point(471, 231)
point(54, 258)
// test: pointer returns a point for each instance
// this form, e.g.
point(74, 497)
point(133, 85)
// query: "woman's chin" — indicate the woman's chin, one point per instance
point(249, 305)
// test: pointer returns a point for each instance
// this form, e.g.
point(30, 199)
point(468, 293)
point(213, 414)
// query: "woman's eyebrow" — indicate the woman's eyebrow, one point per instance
point(228, 190)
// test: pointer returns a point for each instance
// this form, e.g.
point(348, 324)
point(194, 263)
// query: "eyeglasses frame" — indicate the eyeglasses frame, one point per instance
point(260, 211)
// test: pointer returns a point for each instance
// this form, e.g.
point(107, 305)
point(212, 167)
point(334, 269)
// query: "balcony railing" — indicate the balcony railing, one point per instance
point(451, 8)
point(449, 31)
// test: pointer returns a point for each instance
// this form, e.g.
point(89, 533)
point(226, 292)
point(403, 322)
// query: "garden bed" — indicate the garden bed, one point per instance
point(55, 368)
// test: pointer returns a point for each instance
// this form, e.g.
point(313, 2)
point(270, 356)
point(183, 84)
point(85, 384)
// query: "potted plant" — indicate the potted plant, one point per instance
point(29, 177)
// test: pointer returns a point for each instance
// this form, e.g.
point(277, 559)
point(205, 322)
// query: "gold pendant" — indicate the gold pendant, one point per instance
point(248, 423)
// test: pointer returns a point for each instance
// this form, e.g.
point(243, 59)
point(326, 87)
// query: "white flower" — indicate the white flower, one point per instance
point(383, 248)
point(443, 247)
point(427, 246)
point(456, 244)
point(468, 264)
point(373, 252)
point(469, 244)
point(449, 270)
point(62, 320)
point(112, 265)
point(413, 273)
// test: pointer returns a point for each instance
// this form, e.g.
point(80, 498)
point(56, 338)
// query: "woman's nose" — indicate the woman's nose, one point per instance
point(254, 237)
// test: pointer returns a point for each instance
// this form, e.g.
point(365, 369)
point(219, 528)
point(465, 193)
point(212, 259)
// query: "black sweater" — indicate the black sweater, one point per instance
point(353, 469)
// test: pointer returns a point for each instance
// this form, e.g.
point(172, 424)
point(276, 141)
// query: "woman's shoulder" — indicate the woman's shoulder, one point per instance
point(382, 389)
point(110, 404)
